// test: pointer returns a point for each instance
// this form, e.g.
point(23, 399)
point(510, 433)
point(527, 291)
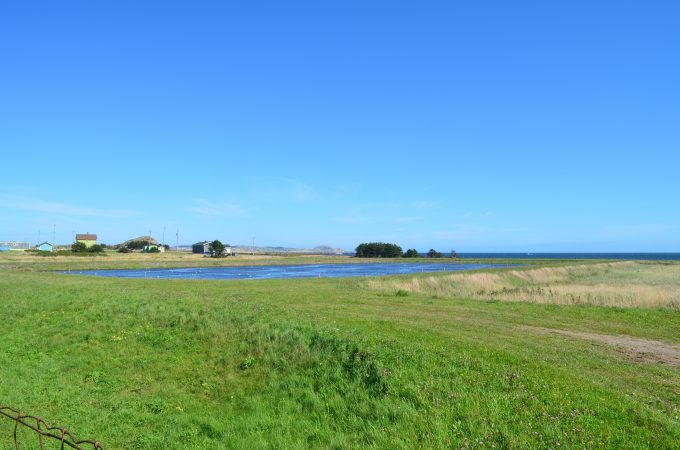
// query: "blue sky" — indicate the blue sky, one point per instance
point(475, 126)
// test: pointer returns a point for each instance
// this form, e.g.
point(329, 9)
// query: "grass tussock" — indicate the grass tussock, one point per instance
point(620, 284)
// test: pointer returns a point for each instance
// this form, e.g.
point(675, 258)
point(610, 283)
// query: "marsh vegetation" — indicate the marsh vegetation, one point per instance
point(622, 284)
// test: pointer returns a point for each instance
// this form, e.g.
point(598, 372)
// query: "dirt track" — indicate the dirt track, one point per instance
point(644, 350)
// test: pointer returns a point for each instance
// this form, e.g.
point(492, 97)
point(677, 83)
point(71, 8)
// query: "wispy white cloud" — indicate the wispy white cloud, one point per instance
point(208, 208)
point(406, 219)
point(352, 219)
point(300, 192)
point(423, 204)
point(457, 231)
point(631, 231)
point(292, 190)
point(485, 214)
point(376, 219)
point(347, 188)
point(63, 209)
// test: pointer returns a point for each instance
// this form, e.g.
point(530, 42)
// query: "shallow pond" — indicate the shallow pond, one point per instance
point(297, 271)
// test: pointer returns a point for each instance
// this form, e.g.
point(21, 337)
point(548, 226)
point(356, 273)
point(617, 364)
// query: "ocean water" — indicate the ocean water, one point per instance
point(638, 256)
point(296, 271)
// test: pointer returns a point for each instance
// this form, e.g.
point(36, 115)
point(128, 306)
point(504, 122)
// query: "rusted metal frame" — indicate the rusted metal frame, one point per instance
point(18, 419)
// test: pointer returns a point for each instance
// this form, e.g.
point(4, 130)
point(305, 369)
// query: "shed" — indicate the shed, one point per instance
point(44, 247)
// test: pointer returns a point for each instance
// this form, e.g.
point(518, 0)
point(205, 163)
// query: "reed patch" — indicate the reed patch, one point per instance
point(619, 284)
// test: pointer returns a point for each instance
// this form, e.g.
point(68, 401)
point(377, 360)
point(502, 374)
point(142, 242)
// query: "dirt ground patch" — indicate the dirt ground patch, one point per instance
point(643, 350)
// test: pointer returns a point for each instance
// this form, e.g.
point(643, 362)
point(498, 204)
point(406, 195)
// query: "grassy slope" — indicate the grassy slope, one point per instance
point(324, 362)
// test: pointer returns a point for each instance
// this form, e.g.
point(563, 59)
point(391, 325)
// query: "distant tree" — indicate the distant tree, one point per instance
point(411, 253)
point(454, 254)
point(78, 247)
point(96, 248)
point(124, 250)
point(152, 249)
point(378, 250)
point(434, 254)
point(392, 251)
point(216, 249)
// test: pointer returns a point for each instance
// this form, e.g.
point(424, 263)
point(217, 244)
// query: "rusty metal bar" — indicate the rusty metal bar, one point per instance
point(42, 429)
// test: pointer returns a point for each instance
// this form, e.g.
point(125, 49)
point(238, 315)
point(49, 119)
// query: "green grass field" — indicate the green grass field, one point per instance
point(336, 363)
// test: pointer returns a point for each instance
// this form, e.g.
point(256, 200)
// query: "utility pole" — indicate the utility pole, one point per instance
point(54, 234)
point(252, 249)
point(163, 234)
point(177, 240)
point(38, 238)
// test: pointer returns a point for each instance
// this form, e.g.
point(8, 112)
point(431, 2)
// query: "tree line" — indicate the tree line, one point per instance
point(386, 250)
point(378, 250)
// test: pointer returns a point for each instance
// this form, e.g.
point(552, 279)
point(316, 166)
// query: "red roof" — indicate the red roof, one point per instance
point(86, 237)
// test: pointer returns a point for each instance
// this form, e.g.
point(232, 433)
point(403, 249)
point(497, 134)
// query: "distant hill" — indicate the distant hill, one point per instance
point(326, 250)
point(148, 239)
point(318, 250)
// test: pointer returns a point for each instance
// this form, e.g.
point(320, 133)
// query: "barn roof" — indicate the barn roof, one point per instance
point(86, 237)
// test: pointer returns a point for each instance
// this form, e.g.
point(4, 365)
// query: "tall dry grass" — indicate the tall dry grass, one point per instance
point(622, 284)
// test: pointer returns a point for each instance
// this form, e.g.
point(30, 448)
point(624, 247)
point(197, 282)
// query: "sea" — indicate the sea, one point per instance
point(619, 256)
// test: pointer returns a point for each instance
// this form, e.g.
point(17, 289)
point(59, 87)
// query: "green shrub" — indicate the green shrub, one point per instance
point(78, 247)
point(246, 363)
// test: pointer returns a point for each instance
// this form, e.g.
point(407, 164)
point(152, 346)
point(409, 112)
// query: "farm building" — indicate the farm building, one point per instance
point(44, 247)
point(88, 239)
point(14, 245)
point(201, 248)
point(147, 248)
point(204, 248)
